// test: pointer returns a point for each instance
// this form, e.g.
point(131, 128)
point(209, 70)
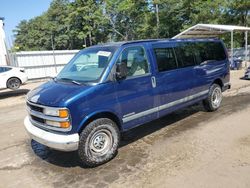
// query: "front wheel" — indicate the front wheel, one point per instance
point(99, 142)
point(213, 101)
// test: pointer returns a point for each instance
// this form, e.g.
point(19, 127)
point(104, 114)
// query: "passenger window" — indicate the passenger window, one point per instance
point(185, 55)
point(136, 60)
point(165, 59)
point(201, 52)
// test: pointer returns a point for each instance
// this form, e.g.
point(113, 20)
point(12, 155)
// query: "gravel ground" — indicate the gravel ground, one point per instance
point(188, 148)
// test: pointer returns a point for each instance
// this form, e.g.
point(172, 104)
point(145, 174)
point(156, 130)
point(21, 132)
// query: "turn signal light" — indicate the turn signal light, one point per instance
point(63, 113)
point(65, 124)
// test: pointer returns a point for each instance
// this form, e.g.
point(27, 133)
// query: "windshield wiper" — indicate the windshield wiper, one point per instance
point(72, 81)
point(75, 82)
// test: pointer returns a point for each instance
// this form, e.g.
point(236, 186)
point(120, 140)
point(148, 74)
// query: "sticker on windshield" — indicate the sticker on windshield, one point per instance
point(104, 53)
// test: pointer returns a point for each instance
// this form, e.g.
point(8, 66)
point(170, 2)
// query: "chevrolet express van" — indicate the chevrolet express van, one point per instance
point(110, 88)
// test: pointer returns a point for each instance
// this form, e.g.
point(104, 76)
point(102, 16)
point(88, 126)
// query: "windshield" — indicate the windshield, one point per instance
point(88, 65)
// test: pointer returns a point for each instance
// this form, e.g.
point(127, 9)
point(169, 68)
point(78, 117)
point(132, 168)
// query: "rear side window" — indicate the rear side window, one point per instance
point(185, 55)
point(165, 59)
point(205, 51)
point(217, 50)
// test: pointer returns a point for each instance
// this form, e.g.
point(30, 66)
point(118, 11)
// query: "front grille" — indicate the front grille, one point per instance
point(35, 108)
point(40, 120)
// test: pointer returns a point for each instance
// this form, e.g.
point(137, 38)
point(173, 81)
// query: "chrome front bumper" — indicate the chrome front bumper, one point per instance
point(52, 140)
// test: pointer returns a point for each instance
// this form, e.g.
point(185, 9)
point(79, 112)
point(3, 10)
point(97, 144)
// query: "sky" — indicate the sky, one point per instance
point(16, 10)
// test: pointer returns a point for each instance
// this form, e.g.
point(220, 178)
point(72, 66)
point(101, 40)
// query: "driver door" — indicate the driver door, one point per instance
point(135, 94)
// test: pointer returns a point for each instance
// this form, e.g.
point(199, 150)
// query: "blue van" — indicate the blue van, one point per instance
point(110, 88)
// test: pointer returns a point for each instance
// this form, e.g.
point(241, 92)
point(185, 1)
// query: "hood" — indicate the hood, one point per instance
point(55, 94)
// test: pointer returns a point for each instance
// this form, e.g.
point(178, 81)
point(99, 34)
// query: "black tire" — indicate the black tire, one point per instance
point(13, 83)
point(213, 101)
point(100, 134)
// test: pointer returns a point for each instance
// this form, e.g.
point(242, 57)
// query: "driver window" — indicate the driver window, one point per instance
point(136, 61)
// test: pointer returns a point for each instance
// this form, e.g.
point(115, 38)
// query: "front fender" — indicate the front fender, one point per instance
point(100, 114)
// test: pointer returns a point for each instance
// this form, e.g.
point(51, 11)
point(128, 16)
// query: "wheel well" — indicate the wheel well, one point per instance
point(219, 82)
point(108, 115)
point(11, 78)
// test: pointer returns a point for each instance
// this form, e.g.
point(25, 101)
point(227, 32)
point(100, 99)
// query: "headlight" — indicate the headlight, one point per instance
point(51, 111)
point(62, 113)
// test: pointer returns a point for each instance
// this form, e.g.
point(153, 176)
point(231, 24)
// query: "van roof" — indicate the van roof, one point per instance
point(122, 43)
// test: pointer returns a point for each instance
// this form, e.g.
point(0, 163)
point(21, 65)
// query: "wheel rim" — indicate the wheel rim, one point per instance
point(14, 83)
point(101, 142)
point(216, 97)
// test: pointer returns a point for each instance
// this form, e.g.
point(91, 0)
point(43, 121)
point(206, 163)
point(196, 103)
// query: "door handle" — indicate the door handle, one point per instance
point(153, 81)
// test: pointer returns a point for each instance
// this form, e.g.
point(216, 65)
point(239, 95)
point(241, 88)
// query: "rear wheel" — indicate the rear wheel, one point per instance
point(99, 142)
point(13, 83)
point(213, 101)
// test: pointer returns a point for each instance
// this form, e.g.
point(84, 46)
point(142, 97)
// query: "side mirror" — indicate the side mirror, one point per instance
point(121, 71)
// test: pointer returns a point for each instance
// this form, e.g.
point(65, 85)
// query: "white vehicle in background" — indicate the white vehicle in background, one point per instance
point(12, 77)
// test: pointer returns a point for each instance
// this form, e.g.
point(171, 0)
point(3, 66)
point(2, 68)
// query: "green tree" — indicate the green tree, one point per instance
point(38, 33)
point(173, 15)
point(237, 13)
point(74, 24)
point(31, 35)
point(86, 25)
point(21, 35)
point(126, 18)
point(56, 27)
